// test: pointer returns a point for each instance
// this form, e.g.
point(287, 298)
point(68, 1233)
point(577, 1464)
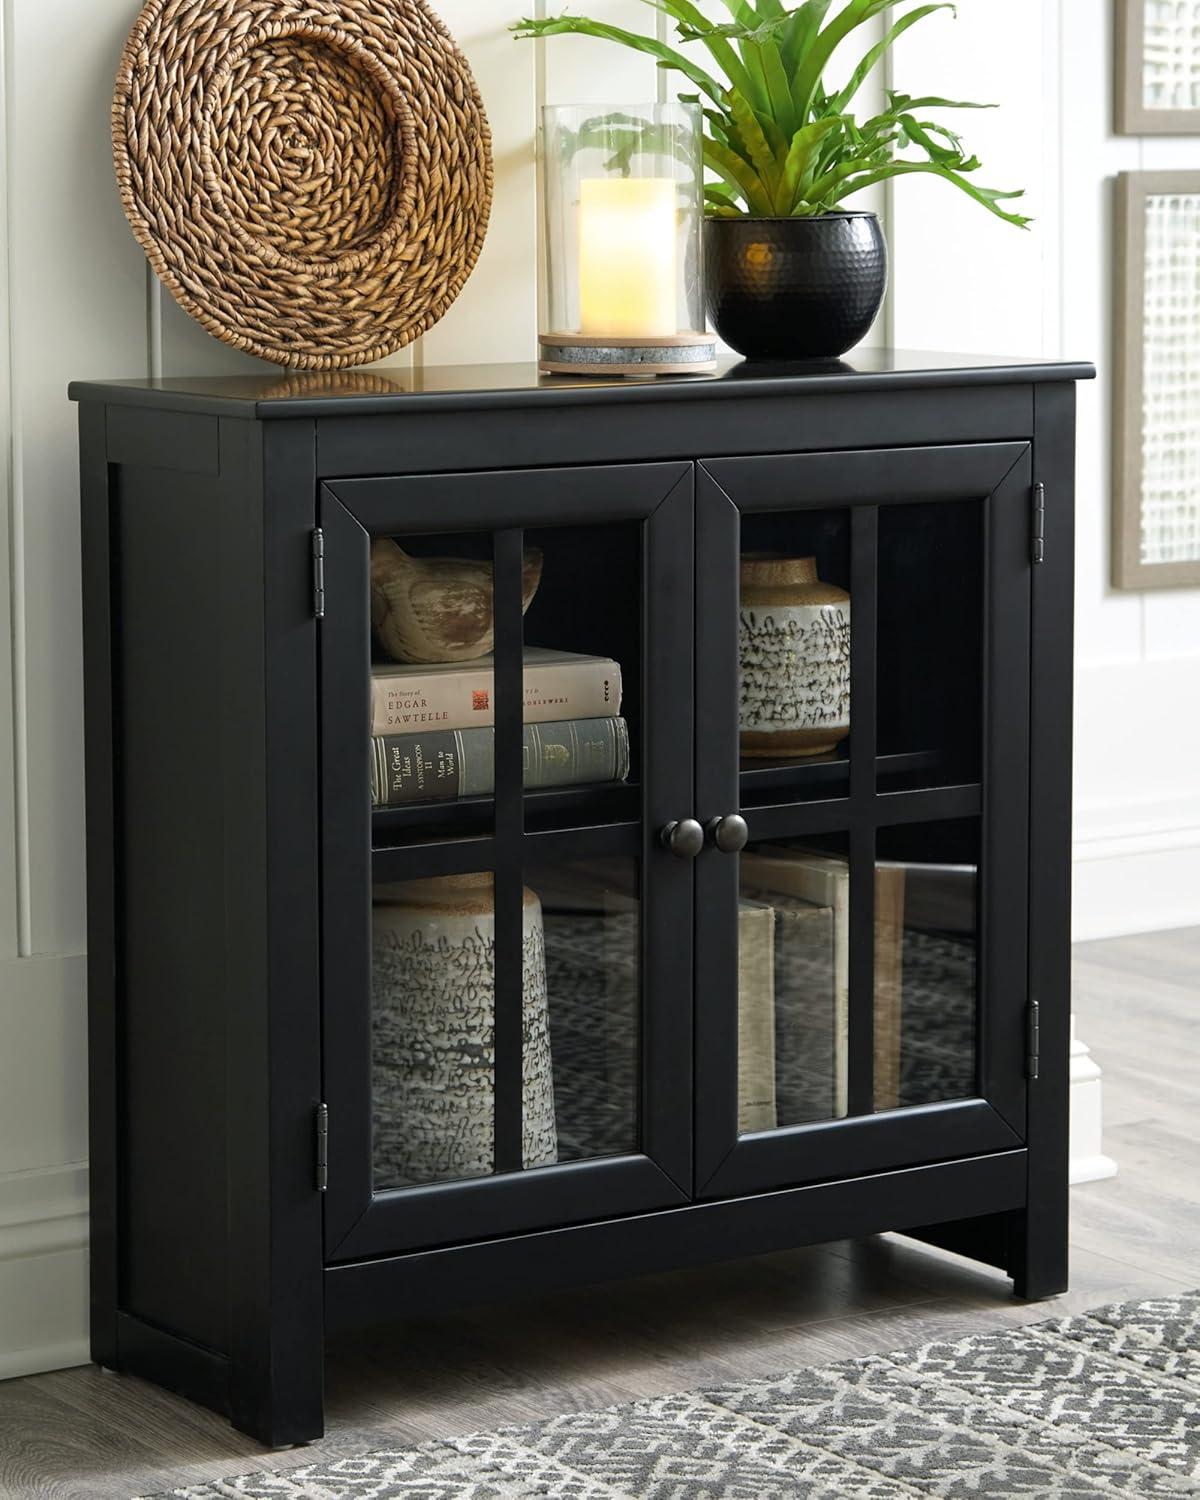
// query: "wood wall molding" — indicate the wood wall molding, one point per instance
point(43, 1269)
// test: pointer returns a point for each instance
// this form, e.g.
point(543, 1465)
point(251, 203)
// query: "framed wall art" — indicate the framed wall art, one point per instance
point(1158, 67)
point(1156, 466)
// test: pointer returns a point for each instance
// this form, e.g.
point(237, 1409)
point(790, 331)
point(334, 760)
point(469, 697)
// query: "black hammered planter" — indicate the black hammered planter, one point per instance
point(794, 288)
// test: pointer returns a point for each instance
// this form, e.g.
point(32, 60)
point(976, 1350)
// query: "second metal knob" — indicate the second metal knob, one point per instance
point(730, 834)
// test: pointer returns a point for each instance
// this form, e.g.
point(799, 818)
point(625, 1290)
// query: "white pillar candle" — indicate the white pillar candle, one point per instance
point(627, 280)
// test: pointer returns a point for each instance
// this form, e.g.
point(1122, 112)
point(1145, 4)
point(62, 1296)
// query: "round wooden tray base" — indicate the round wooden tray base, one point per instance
point(636, 358)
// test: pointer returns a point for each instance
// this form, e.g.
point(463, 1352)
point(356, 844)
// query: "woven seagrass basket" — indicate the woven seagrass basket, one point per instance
point(312, 183)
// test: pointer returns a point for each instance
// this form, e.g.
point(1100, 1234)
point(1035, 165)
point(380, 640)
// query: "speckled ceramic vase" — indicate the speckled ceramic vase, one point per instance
point(795, 288)
point(432, 1034)
point(794, 653)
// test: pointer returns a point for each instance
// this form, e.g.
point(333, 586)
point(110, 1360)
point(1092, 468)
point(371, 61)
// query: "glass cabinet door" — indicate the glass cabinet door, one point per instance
point(863, 703)
point(507, 721)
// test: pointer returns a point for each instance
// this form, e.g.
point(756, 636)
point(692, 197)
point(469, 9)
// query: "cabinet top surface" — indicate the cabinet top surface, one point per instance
point(301, 393)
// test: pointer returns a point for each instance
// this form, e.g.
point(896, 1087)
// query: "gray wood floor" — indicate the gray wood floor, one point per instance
point(82, 1435)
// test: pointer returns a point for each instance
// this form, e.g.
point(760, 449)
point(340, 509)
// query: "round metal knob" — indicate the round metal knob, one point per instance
point(730, 833)
point(684, 839)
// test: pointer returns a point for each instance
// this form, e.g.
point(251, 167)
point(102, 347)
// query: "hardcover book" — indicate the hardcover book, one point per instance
point(406, 697)
point(443, 764)
point(805, 1010)
point(824, 880)
point(756, 1017)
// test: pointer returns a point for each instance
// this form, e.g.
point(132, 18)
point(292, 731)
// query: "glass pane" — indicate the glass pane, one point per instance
point(590, 917)
point(926, 963)
point(432, 689)
point(432, 978)
point(583, 657)
point(433, 1020)
point(793, 995)
point(930, 643)
point(794, 654)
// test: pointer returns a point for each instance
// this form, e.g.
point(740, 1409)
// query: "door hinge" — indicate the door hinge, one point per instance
point(322, 1124)
point(1033, 1039)
point(318, 573)
point(1039, 522)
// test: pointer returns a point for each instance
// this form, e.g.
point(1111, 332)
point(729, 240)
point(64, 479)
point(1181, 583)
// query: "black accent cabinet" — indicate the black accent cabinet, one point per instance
point(352, 1062)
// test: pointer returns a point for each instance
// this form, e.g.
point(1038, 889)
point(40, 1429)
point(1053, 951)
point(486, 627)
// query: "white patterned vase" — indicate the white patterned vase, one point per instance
point(794, 654)
point(433, 1032)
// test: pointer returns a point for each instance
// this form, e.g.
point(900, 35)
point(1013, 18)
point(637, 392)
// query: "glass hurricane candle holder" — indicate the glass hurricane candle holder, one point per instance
point(623, 197)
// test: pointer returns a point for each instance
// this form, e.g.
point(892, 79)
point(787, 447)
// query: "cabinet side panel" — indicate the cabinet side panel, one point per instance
point(171, 836)
point(99, 765)
point(1041, 1269)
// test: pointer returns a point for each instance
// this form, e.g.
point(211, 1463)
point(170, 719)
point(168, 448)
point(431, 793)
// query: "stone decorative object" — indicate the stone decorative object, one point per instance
point(794, 650)
point(427, 609)
point(312, 183)
point(433, 1029)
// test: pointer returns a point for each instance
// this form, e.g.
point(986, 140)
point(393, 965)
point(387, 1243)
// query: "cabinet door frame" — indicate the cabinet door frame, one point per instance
point(1000, 476)
point(360, 1223)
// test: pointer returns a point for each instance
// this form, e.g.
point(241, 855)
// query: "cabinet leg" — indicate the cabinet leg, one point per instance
point(1039, 1265)
point(1030, 1246)
point(282, 1401)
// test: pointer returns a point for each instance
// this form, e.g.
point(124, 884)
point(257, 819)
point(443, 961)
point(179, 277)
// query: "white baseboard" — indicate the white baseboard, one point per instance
point(1136, 866)
point(44, 1357)
point(43, 1270)
point(1091, 1169)
point(1088, 1161)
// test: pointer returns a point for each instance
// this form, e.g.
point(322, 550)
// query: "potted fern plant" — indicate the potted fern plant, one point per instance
point(790, 271)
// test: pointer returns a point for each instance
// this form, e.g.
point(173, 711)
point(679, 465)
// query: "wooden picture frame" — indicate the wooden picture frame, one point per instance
point(1147, 525)
point(1133, 115)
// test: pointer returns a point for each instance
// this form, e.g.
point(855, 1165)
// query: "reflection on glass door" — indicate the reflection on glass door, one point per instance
point(793, 644)
point(795, 937)
point(590, 920)
point(433, 1029)
point(441, 728)
point(927, 947)
point(930, 644)
point(432, 674)
point(793, 957)
point(433, 1021)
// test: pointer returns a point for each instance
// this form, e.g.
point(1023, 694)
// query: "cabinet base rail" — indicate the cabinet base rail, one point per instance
point(978, 1205)
point(430, 1281)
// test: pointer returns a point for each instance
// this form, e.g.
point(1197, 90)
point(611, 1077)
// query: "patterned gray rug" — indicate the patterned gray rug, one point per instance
point(1103, 1404)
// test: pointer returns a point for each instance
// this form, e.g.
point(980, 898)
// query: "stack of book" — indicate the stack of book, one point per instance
point(794, 990)
point(433, 726)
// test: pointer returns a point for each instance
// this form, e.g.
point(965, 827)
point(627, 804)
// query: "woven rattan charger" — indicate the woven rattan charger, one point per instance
point(314, 192)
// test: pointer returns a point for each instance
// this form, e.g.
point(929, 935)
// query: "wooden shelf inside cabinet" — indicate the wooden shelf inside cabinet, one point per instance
point(563, 808)
point(822, 775)
point(425, 858)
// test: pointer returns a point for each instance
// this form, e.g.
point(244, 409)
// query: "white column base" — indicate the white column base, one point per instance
point(1088, 1161)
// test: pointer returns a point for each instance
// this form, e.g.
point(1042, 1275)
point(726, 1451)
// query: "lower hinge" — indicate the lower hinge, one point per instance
point(322, 1147)
point(1033, 1039)
point(1038, 534)
point(318, 573)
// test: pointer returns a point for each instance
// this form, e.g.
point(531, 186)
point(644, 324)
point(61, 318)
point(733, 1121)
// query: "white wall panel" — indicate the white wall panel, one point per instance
point(1108, 624)
point(963, 279)
point(495, 318)
point(582, 70)
point(79, 309)
point(43, 1270)
point(178, 345)
point(43, 1064)
point(9, 922)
